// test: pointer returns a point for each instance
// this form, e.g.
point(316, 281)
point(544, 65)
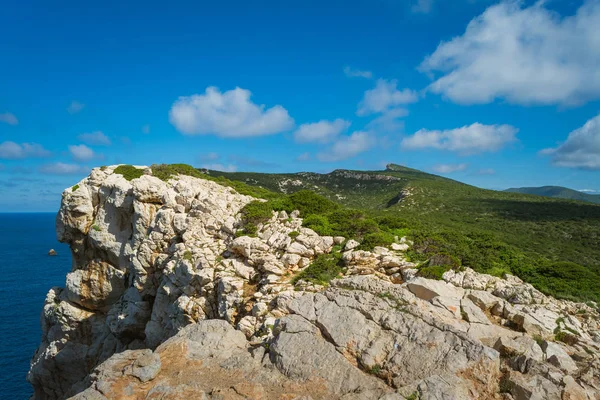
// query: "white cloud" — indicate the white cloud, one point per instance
point(449, 168)
point(389, 122)
point(303, 157)
point(320, 132)
point(96, 138)
point(347, 147)
point(9, 118)
point(75, 107)
point(13, 151)
point(81, 152)
point(146, 129)
point(486, 171)
point(356, 73)
point(592, 191)
point(581, 149)
point(60, 168)
point(472, 139)
point(212, 156)
point(422, 6)
point(524, 55)
point(220, 167)
point(385, 96)
point(230, 114)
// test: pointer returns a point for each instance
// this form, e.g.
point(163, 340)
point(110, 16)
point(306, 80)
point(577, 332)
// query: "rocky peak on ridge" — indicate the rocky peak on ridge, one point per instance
point(167, 300)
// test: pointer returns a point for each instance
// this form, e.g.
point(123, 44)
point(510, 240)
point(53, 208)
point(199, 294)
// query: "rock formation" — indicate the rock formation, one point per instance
point(164, 301)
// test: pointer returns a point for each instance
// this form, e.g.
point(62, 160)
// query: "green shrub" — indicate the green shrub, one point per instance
point(167, 171)
point(293, 234)
point(96, 228)
point(257, 212)
point(249, 230)
point(375, 370)
point(129, 172)
point(187, 255)
point(322, 270)
point(371, 240)
point(319, 224)
point(434, 271)
point(74, 188)
point(308, 203)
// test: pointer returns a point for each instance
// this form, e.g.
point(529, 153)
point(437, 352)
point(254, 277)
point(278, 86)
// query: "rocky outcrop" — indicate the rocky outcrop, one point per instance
point(165, 301)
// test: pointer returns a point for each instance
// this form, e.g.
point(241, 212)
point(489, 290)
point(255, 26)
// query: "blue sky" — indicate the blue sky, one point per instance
point(495, 94)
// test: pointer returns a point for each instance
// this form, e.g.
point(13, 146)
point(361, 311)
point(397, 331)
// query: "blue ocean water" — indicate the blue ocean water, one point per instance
point(26, 275)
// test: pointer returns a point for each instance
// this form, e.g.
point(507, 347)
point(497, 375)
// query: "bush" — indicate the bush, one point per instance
point(257, 212)
point(374, 239)
point(308, 203)
point(166, 171)
point(322, 270)
point(74, 188)
point(319, 224)
point(433, 272)
point(293, 234)
point(565, 280)
point(129, 172)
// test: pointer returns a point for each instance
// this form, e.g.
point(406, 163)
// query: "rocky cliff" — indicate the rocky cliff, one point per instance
point(166, 301)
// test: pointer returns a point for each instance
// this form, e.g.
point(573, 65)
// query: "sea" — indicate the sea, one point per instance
point(27, 272)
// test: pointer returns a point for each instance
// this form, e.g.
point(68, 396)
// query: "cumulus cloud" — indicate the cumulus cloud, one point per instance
point(389, 121)
point(422, 6)
point(472, 139)
point(230, 114)
point(220, 167)
point(13, 151)
point(96, 138)
point(75, 107)
point(146, 129)
point(60, 168)
point(347, 147)
point(581, 149)
point(384, 96)
point(356, 73)
point(9, 118)
point(81, 152)
point(320, 132)
point(449, 168)
point(526, 55)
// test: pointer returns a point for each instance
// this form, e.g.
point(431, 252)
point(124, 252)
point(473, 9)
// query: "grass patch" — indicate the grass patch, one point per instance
point(74, 188)
point(434, 271)
point(188, 255)
point(96, 228)
point(167, 171)
point(322, 270)
point(129, 172)
point(294, 234)
point(566, 337)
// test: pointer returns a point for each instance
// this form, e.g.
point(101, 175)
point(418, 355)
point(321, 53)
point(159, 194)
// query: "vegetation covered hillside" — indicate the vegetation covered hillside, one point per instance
point(552, 243)
point(557, 191)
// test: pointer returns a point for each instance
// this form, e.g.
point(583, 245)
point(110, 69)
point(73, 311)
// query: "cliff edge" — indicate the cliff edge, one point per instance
point(167, 299)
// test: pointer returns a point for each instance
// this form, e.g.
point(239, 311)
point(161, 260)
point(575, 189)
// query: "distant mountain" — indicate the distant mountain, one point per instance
point(557, 192)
